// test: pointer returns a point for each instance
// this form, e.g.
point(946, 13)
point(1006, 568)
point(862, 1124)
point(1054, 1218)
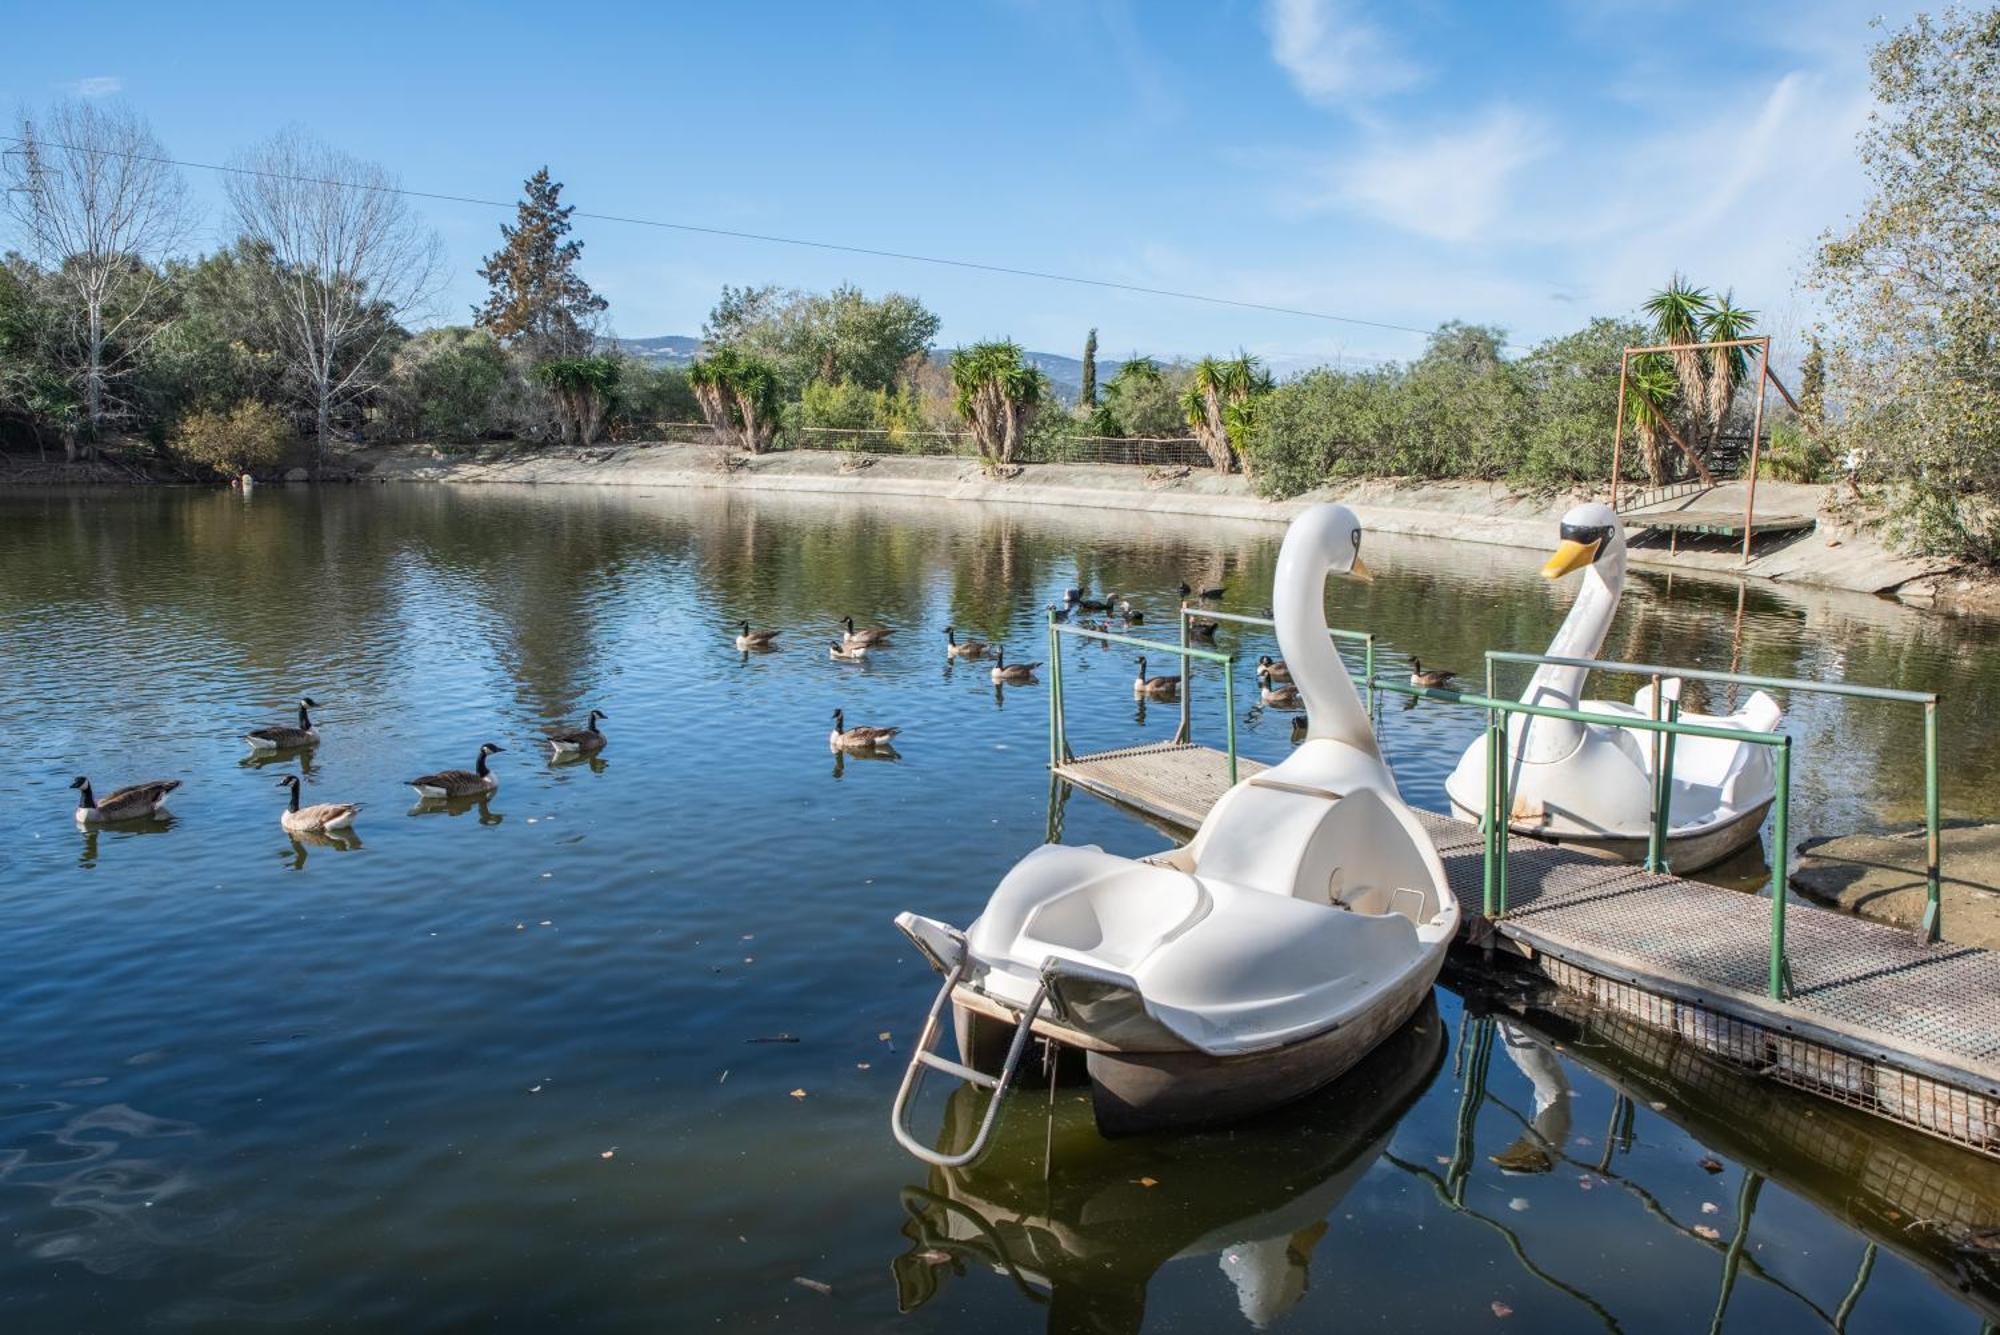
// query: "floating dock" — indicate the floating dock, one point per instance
point(1877, 1018)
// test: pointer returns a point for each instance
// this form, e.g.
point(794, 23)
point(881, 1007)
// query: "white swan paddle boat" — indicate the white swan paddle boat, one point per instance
point(1591, 784)
point(1306, 920)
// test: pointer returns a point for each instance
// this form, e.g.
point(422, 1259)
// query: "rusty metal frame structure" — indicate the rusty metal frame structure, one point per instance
point(1765, 377)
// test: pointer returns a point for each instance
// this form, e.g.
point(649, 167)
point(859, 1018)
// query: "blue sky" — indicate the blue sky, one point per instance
point(1522, 165)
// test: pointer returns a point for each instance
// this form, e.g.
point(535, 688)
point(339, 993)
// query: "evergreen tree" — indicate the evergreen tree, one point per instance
point(1087, 396)
point(538, 302)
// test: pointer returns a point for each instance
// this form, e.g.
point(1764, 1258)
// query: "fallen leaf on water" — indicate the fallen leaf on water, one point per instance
point(812, 1284)
point(884, 1035)
point(1501, 1309)
point(1583, 1182)
point(798, 1093)
point(1709, 1207)
point(1519, 1204)
point(932, 1256)
point(607, 1154)
point(1657, 1106)
point(1703, 1230)
point(861, 1066)
point(1149, 1182)
point(534, 1089)
point(1442, 1158)
point(1709, 1165)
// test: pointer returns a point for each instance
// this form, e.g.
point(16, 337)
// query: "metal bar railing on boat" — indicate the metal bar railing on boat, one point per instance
point(1059, 748)
point(1499, 753)
point(1933, 919)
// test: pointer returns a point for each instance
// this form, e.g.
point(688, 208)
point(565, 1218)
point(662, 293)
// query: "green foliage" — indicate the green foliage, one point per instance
point(1086, 397)
point(833, 336)
point(1570, 385)
point(1913, 286)
point(1792, 456)
point(740, 395)
point(453, 384)
point(649, 396)
point(240, 439)
point(998, 394)
point(582, 390)
point(865, 419)
point(1143, 399)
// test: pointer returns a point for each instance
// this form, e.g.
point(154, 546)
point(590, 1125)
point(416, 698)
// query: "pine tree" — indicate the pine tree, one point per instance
point(1087, 397)
point(538, 302)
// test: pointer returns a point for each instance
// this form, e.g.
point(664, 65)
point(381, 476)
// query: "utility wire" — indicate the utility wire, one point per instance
point(768, 238)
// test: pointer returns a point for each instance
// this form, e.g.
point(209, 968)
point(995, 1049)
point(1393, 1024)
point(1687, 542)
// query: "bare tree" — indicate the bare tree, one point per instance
point(99, 204)
point(350, 260)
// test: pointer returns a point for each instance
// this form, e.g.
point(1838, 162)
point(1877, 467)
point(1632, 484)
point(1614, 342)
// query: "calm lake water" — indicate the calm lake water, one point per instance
point(513, 1068)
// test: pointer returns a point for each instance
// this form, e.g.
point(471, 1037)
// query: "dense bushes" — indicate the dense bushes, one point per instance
point(1461, 411)
point(241, 439)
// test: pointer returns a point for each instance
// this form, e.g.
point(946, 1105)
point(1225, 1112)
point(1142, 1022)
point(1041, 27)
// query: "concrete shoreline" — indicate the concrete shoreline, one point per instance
point(1834, 554)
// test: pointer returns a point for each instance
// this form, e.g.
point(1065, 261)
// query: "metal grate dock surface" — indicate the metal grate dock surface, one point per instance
point(1863, 994)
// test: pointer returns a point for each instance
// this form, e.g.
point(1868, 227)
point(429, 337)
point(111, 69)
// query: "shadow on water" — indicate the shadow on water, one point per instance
point(1081, 1224)
point(482, 804)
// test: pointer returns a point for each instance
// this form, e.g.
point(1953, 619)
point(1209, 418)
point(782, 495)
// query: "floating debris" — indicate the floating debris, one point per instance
point(1519, 1204)
point(1501, 1309)
point(1709, 1165)
point(798, 1093)
point(1704, 1231)
point(606, 1154)
point(773, 1038)
point(815, 1285)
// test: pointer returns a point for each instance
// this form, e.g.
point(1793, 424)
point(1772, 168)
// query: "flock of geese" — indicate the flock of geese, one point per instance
point(1276, 690)
point(142, 801)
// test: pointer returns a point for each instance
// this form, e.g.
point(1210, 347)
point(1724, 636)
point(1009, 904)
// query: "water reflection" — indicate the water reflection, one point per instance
point(1081, 1224)
point(344, 841)
point(482, 803)
point(158, 823)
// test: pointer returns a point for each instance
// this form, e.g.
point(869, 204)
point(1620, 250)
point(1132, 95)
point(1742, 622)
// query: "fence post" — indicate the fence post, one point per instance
point(1781, 974)
point(1490, 818)
point(1229, 707)
point(1933, 923)
point(1186, 733)
point(1656, 853)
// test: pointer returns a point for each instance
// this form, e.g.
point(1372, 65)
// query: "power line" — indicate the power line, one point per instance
point(766, 237)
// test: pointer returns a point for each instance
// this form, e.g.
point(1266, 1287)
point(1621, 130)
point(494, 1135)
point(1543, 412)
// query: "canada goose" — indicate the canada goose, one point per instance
point(1435, 678)
point(1103, 604)
point(582, 742)
point(1187, 589)
point(1159, 688)
point(747, 638)
point(844, 738)
point(844, 652)
point(1202, 628)
point(1299, 728)
point(133, 803)
point(318, 818)
point(869, 638)
point(280, 738)
point(970, 649)
point(1133, 616)
point(1011, 673)
point(1058, 613)
point(1281, 697)
point(1272, 669)
point(459, 782)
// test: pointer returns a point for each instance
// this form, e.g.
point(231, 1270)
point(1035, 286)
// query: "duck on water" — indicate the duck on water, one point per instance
point(1306, 920)
point(475, 782)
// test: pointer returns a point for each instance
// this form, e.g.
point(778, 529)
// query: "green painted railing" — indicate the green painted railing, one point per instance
point(1933, 919)
point(1495, 826)
point(1364, 638)
point(1059, 749)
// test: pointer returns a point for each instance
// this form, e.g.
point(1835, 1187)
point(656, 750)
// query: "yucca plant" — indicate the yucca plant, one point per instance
point(1728, 368)
point(998, 395)
point(1679, 311)
point(1217, 402)
point(1650, 387)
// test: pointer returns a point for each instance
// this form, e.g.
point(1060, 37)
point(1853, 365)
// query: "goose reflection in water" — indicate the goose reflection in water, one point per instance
point(840, 758)
point(303, 841)
point(303, 758)
point(1071, 1218)
point(158, 823)
point(458, 806)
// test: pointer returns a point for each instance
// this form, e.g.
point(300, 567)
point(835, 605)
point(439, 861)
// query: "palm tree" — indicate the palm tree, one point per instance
point(1728, 368)
point(1219, 401)
point(1679, 312)
point(998, 395)
point(738, 394)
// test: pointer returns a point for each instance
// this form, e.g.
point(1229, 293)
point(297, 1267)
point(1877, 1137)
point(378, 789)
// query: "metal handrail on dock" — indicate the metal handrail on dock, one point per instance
point(1933, 919)
point(1059, 751)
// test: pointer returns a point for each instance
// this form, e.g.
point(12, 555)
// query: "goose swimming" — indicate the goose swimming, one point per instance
point(1592, 783)
point(1434, 678)
point(475, 782)
point(318, 818)
point(858, 738)
point(748, 639)
point(1272, 669)
point(1157, 687)
point(871, 637)
point(281, 738)
point(1305, 921)
point(135, 802)
point(1011, 674)
point(587, 740)
point(969, 649)
point(843, 651)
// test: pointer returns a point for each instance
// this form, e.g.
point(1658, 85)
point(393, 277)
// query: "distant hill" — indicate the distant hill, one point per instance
point(1065, 373)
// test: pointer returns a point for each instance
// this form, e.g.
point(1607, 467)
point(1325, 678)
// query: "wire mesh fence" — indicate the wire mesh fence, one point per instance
point(1135, 451)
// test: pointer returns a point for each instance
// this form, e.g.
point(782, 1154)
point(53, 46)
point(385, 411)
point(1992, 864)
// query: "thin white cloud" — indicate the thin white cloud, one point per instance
point(1451, 185)
point(1332, 54)
point(98, 85)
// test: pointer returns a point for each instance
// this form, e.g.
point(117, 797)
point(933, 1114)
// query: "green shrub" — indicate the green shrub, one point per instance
point(454, 384)
point(239, 439)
